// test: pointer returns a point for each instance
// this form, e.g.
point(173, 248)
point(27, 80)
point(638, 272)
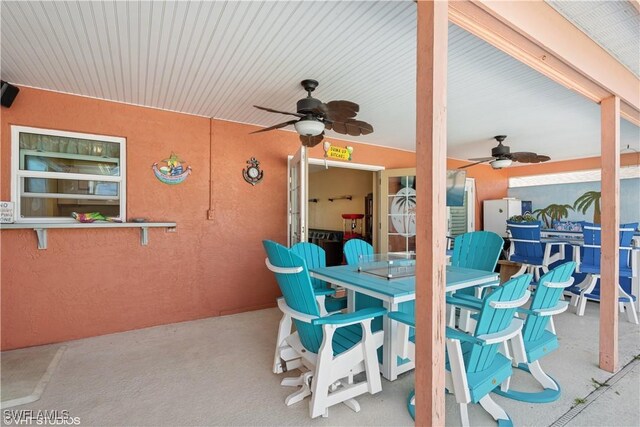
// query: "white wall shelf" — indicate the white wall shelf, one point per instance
point(41, 228)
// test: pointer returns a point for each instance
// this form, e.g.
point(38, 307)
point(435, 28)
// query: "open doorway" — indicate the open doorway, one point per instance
point(335, 189)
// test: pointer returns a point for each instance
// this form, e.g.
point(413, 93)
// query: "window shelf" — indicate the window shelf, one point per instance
point(41, 228)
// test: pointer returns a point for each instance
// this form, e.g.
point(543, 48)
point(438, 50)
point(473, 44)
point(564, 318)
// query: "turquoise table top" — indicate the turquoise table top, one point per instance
point(349, 276)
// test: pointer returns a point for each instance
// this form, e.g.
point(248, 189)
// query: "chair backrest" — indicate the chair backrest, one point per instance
point(354, 248)
point(315, 257)
point(546, 296)
point(496, 315)
point(592, 245)
point(297, 291)
point(525, 236)
point(478, 249)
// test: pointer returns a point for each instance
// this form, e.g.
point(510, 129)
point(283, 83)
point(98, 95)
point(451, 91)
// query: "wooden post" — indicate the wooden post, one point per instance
point(609, 261)
point(431, 149)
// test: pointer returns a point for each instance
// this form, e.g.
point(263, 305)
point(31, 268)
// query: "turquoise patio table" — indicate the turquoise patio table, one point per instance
point(392, 292)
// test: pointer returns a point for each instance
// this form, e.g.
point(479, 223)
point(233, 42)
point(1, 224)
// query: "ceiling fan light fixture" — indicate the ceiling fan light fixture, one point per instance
point(309, 127)
point(501, 163)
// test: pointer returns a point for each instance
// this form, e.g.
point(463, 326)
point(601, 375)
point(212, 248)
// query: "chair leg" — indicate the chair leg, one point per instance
point(632, 316)
point(284, 330)
point(464, 415)
point(545, 380)
point(464, 322)
point(303, 380)
point(371, 358)
point(452, 317)
point(582, 303)
point(493, 408)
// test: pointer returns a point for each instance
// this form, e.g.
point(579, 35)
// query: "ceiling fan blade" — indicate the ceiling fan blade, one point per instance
point(351, 127)
point(311, 141)
point(271, 110)
point(278, 126)
point(481, 159)
point(476, 163)
point(528, 157)
point(340, 110)
point(339, 127)
point(364, 127)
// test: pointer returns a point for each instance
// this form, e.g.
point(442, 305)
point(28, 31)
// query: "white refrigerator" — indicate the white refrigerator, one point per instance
point(497, 212)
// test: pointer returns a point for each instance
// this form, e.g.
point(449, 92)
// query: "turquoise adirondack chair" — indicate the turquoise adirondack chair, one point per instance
point(589, 262)
point(538, 336)
point(334, 348)
point(353, 250)
point(528, 250)
point(475, 367)
point(314, 256)
point(479, 250)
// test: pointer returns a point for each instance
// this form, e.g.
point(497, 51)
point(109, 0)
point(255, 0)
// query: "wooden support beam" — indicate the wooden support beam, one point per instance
point(431, 148)
point(524, 31)
point(609, 261)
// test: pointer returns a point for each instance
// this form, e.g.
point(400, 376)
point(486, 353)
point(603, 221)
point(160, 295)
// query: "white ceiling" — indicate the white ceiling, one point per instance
point(614, 25)
point(217, 59)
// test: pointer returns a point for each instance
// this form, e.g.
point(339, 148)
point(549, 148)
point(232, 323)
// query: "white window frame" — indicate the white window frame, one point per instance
point(17, 174)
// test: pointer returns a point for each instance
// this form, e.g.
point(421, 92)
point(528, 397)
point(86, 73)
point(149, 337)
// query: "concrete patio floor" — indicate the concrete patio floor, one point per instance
point(217, 371)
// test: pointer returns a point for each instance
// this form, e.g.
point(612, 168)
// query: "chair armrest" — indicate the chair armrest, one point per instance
point(454, 334)
point(513, 330)
point(464, 303)
point(401, 317)
point(561, 307)
point(345, 319)
point(326, 291)
point(307, 318)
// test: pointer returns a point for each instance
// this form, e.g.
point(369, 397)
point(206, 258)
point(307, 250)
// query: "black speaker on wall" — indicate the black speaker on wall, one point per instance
point(8, 93)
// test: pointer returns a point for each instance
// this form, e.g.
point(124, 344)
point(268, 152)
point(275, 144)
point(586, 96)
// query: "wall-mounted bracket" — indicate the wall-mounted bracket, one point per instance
point(41, 228)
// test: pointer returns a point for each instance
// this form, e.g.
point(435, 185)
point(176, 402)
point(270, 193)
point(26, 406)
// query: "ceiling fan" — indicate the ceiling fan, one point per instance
point(502, 157)
point(314, 116)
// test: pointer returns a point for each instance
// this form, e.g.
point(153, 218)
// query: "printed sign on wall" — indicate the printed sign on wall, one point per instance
point(6, 212)
point(339, 153)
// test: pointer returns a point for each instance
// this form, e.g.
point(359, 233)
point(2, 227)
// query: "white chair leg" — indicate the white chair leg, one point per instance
point(574, 300)
point(371, 359)
point(582, 303)
point(352, 404)
point(551, 327)
point(464, 415)
point(632, 316)
point(464, 321)
point(493, 408)
point(452, 317)
point(284, 330)
point(544, 379)
point(299, 395)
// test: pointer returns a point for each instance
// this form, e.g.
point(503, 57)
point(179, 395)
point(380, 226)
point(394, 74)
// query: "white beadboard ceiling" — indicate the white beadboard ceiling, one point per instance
point(217, 59)
point(614, 25)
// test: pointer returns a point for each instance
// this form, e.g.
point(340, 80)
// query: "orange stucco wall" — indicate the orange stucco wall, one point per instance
point(92, 282)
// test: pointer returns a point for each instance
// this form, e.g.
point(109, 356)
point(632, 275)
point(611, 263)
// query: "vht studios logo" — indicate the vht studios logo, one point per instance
point(39, 418)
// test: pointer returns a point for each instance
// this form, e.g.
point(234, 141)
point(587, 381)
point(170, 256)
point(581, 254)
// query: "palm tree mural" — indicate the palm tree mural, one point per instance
point(584, 202)
point(552, 212)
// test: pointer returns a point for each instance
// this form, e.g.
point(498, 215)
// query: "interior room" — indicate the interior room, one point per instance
point(320, 213)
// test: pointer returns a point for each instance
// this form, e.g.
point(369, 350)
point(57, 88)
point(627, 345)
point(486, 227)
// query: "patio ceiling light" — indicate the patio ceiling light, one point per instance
point(501, 163)
point(309, 127)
